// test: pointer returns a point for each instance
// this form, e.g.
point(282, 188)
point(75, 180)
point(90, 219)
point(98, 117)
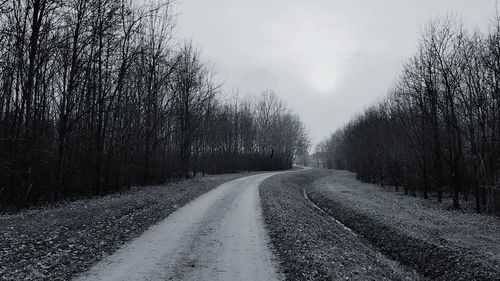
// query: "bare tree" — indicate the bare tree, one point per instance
point(438, 129)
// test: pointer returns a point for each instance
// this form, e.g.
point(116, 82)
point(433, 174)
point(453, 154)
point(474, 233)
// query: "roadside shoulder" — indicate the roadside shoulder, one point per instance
point(59, 242)
point(310, 245)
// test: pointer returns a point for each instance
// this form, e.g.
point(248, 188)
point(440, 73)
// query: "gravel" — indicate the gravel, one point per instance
point(440, 243)
point(56, 243)
point(311, 245)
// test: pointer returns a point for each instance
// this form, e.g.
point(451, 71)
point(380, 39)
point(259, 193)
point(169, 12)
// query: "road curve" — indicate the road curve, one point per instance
point(218, 236)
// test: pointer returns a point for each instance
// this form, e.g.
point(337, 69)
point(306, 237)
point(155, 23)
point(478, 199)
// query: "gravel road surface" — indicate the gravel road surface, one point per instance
point(218, 236)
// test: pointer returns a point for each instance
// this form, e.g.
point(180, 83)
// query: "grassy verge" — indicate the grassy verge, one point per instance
point(56, 243)
point(311, 245)
point(412, 232)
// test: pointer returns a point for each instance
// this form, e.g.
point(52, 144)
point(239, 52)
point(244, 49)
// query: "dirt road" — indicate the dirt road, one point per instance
point(218, 236)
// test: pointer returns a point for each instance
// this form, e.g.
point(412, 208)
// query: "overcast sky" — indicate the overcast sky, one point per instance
point(328, 59)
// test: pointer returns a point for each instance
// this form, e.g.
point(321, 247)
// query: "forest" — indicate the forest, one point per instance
point(99, 95)
point(437, 132)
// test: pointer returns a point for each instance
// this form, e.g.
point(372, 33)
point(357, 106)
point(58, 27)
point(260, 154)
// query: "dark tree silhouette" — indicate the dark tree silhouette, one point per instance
point(438, 129)
point(97, 95)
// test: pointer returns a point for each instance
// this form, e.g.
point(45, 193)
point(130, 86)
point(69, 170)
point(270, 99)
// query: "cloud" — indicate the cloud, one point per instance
point(326, 58)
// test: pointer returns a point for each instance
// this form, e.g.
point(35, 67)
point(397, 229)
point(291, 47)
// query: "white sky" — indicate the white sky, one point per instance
point(328, 59)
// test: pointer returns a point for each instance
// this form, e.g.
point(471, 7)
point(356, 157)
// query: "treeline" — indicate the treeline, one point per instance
point(97, 95)
point(439, 128)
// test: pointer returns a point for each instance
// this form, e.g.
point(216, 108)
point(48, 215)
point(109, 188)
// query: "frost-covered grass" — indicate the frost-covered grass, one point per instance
point(310, 244)
point(55, 243)
point(442, 242)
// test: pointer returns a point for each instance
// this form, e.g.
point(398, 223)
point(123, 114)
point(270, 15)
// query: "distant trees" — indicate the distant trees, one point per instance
point(439, 128)
point(97, 95)
point(264, 135)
